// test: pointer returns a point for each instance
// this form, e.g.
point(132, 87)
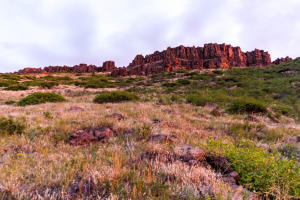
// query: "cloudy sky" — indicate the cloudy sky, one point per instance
point(37, 33)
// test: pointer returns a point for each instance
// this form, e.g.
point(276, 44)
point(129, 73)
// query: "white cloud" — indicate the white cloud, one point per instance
point(57, 32)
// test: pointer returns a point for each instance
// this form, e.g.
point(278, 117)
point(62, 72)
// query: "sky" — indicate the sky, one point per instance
point(38, 33)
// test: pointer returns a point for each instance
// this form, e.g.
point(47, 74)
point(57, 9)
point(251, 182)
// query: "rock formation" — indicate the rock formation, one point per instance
point(279, 61)
point(107, 66)
point(209, 56)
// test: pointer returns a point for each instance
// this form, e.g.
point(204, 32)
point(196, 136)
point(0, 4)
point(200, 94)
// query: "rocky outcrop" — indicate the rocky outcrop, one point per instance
point(279, 61)
point(209, 56)
point(206, 57)
point(107, 66)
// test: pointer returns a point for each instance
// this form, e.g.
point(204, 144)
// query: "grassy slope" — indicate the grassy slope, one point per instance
point(40, 162)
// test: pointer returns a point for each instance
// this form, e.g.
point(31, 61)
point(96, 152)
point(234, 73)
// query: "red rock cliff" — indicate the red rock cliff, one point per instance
point(209, 56)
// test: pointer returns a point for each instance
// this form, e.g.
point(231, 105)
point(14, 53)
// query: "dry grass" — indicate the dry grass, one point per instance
point(40, 164)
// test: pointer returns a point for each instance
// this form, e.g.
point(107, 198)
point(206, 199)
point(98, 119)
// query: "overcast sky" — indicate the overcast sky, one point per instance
point(37, 33)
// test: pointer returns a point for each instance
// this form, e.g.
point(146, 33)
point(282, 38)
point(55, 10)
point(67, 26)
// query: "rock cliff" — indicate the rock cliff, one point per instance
point(209, 56)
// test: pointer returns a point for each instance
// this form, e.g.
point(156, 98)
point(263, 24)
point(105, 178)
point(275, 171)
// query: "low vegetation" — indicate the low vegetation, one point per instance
point(10, 126)
point(40, 98)
point(114, 97)
point(250, 117)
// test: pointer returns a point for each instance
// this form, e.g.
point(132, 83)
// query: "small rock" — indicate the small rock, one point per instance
point(233, 87)
point(117, 116)
point(293, 139)
point(252, 118)
point(211, 84)
point(76, 109)
point(219, 163)
point(211, 104)
point(162, 138)
point(216, 112)
point(83, 137)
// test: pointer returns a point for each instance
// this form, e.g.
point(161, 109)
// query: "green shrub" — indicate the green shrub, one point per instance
point(170, 84)
point(16, 88)
point(39, 98)
point(260, 170)
point(48, 85)
point(114, 96)
point(183, 81)
point(10, 126)
point(248, 105)
point(198, 99)
point(11, 102)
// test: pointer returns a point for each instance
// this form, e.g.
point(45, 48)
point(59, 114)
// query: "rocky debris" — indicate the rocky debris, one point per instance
point(87, 136)
point(252, 118)
point(219, 163)
point(167, 124)
point(197, 156)
point(162, 138)
point(233, 87)
point(211, 84)
point(86, 189)
point(191, 154)
point(117, 116)
point(210, 104)
point(76, 109)
point(293, 139)
point(279, 61)
point(271, 115)
point(289, 72)
point(215, 112)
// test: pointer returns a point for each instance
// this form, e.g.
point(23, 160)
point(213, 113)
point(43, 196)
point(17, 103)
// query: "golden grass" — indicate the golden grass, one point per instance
point(40, 164)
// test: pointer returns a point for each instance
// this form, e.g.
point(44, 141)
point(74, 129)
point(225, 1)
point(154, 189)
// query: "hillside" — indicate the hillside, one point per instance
point(207, 132)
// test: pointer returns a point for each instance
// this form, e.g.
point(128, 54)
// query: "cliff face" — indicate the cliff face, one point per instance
point(209, 56)
point(279, 61)
point(107, 66)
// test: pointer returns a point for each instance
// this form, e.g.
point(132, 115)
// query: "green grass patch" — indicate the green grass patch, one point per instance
point(261, 171)
point(114, 97)
point(10, 126)
point(247, 105)
point(40, 98)
point(16, 87)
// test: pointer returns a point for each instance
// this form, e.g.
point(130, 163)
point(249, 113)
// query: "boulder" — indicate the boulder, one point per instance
point(87, 136)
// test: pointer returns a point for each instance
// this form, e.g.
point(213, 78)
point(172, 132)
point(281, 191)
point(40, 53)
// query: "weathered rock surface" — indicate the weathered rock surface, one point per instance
point(107, 66)
point(209, 56)
point(87, 136)
point(279, 61)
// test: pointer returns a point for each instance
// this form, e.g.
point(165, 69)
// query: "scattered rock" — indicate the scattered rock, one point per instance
point(162, 138)
point(117, 116)
point(212, 84)
point(233, 87)
point(210, 104)
point(215, 112)
point(82, 188)
point(167, 124)
point(252, 118)
point(191, 154)
point(87, 136)
point(293, 139)
point(219, 163)
point(279, 61)
point(76, 109)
